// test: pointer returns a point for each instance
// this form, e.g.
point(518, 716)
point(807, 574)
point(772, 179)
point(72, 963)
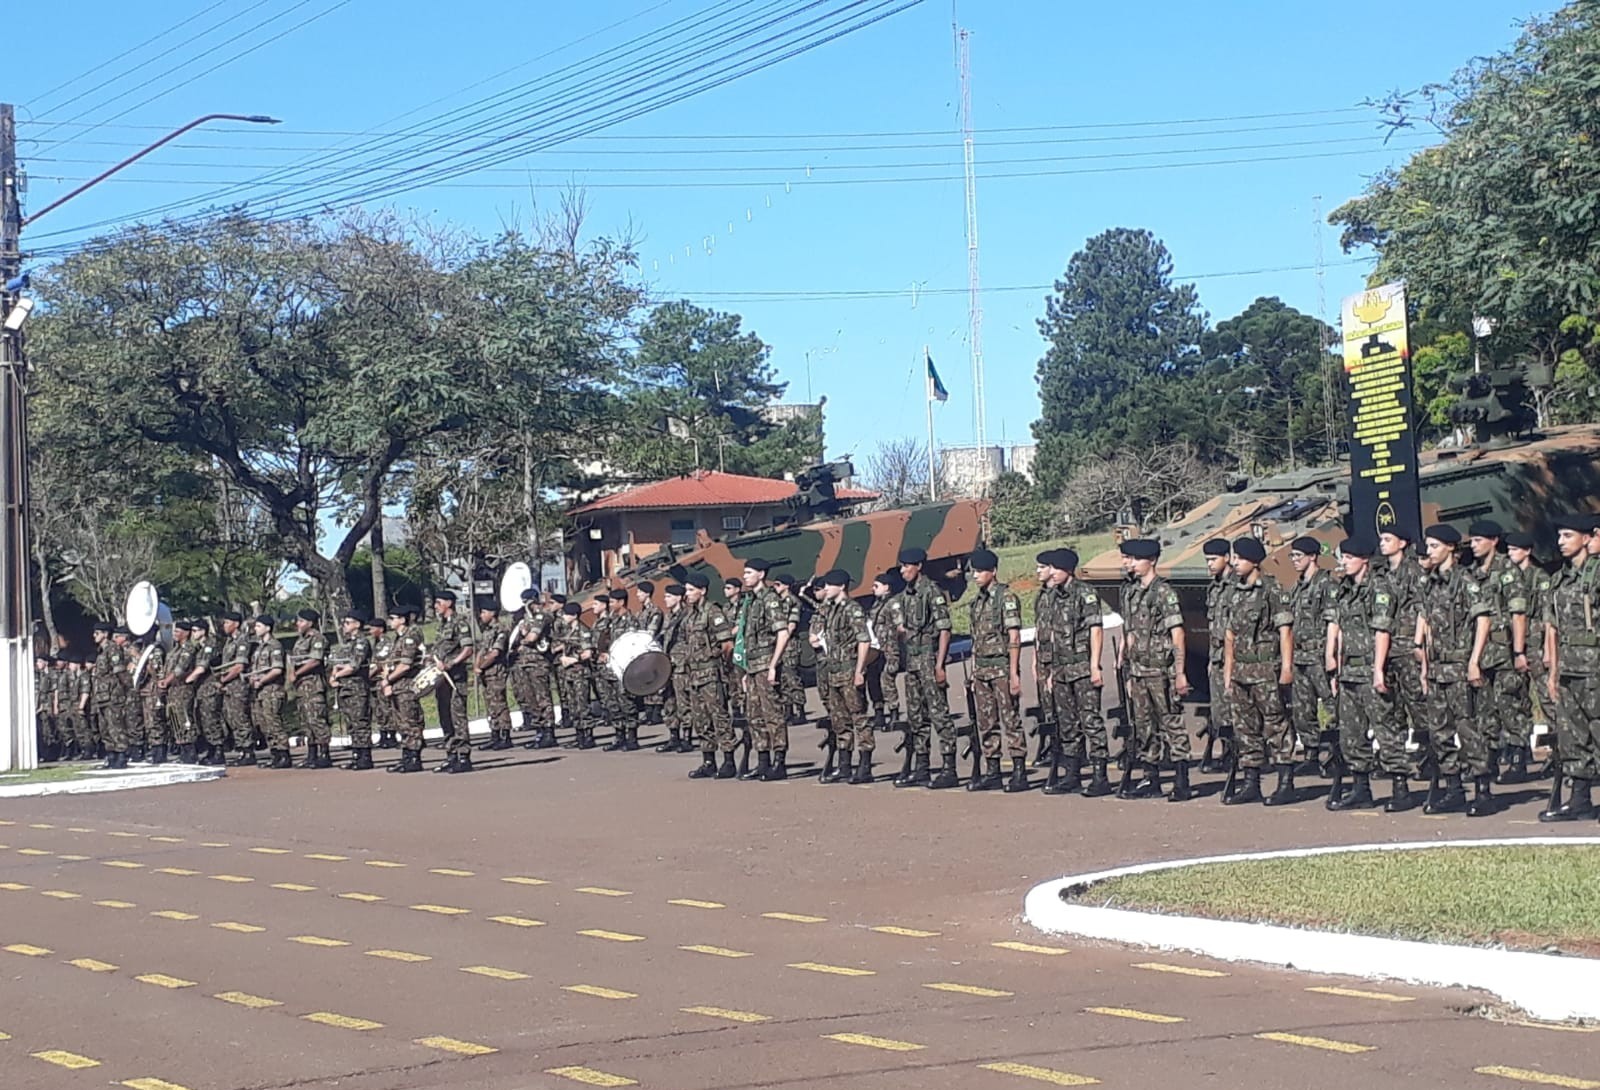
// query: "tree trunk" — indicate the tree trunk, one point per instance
point(380, 575)
point(42, 571)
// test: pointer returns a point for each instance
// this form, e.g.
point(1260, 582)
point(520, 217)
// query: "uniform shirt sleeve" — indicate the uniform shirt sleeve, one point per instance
point(1172, 614)
point(1282, 609)
point(1383, 607)
point(941, 611)
point(1011, 611)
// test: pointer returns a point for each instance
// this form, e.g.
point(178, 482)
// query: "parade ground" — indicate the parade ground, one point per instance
point(561, 919)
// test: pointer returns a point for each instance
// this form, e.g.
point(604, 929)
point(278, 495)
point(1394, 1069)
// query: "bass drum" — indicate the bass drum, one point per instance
point(639, 663)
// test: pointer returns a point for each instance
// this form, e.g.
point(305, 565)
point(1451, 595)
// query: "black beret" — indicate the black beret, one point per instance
point(408, 610)
point(1519, 540)
point(783, 579)
point(376, 622)
point(838, 577)
point(733, 581)
point(756, 563)
point(674, 589)
point(1306, 546)
point(1445, 533)
point(1065, 559)
point(913, 556)
point(104, 626)
point(1485, 528)
point(559, 599)
point(1395, 531)
point(572, 609)
point(1248, 548)
point(199, 624)
point(492, 605)
point(1142, 548)
point(1573, 521)
point(122, 630)
point(308, 615)
point(232, 616)
point(697, 579)
point(1047, 557)
point(892, 580)
point(618, 595)
point(265, 619)
point(646, 586)
point(1358, 546)
point(444, 596)
point(1217, 546)
point(983, 560)
point(530, 594)
point(355, 615)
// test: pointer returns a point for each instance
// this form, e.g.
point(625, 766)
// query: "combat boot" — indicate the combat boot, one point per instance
point(324, 756)
point(410, 761)
point(779, 769)
point(1019, 776)
point(707, 769)
point(281, 759)
point(462, 762)
point(1149, 785)
point(585, 737)
point(863, 773)
point(1435, 795)
point(1453, 798)
point(686, 744)
point(991, 780)
point(1482, 800)
point(729, 769)
point(1515, 766)
point(246, 759)
point(1250, 791)
point(1400, 797)
point(1181, 791)
point(361, 761)
point(1359, 797)
point(841, 771)
point(618, 740)
point(158, 755)
point(186, 755)
point(1576, 808)
point(1283, 794)
point(763, 766)
point(630, 740)
point(1099, 785)
point(947, 777)
point(310, 760)
point(675, 736)
point(1068, 784)
point(917, 776)
point(449, 764)
point(111, 762)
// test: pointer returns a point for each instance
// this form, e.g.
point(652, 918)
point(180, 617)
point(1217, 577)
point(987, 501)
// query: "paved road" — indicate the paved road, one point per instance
point(597, 919)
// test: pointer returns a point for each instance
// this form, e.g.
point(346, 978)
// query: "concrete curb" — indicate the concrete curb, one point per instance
point(1549, 987)
point(96, 782)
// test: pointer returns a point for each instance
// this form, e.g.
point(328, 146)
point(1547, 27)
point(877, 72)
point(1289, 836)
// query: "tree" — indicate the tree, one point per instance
point(897, 470)
point(1148, 486)
point(1121, 337)
point(1019, 514)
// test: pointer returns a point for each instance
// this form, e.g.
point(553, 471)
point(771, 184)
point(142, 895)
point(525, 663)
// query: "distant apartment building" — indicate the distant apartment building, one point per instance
point(972, 471)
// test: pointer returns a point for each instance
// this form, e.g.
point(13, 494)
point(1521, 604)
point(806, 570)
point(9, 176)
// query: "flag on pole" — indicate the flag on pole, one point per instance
point(936, 390)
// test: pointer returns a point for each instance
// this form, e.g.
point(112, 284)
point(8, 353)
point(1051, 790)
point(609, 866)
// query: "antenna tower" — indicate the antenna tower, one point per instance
point(974, 295)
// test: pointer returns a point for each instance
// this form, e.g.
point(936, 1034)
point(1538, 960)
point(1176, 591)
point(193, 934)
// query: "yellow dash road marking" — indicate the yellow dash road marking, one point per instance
point(794, 917)
point(7, 823)
point(520, 880)
point(59, 894)
point(92, 965)
point(215, 844)
point(162, 980)
point(123, 864)
point(492, 972)
point(1030, 948)
point(1137, 1016)
point(460, 1048)
point(322, 857)
point(872, 1042)
point(272, 851)
point(597, 991)
point(69, 1060)
point(78, 829)
point(450, 872)
point(239, 928)
point(235, 878)
point(28, 950)
point(245, 999)
point(398, 955)
point(5, 1036)
point(174, 914)
point(167, 839)
point(612, 936)
point(317, 940)
point(441, 910)
point(687, 903)
point(907, 932)
point(1041, 1074)
point(365, 898)
point(1314, 1042)
point(969, 989)
point(602, 891)
point(589, 1076)
point(14, 887)
point(115, 832)
point(116, 904)
point(717, 951)
point(517, 921)
point(341, 1021)
point(152, 1084)
point(836, 970)
point(32, 851)
point(1181, 970)
point(1353, 993)
point(179, 871)
point(725, 1013)
point(384, 863)
point(72, 858)
point(1540, 1077)
point(40, 825)
point(293, 887)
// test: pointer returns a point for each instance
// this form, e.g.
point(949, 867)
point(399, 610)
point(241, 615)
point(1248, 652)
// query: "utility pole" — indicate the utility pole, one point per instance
point(974, 295)
point(18, 740)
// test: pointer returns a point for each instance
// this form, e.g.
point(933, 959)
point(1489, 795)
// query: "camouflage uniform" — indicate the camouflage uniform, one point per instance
point(924, 614)
point(151, 722)
point(844, 630)
point(311, 688)
point(79, 691)
point(266, 705)
point(650, 620)
point(1573, 611)
point(608, 690)
point(495, 637)
point(1536, 597)
point(1502, 588)
point(208, 695)
point(1452, 602)
point(1257, 612)
point(572, 637)
point(697, 641)
point(995, 614)
point(405, 704)
point(111, 683)
point(1150, 614)
point(236, 698)
point(791, 684)
point(382, 706)
point(1218, 594)
point(1403, 674)
point(1075, 612)
point(675, 703)
point(180, 694)
point(762, 616)
point(353, 692)
point(531, 669)
point(46, 720)
point(1044, 602)
point(1361, 610)
point(1309, 603)
point(883, 669)
point(450, 693)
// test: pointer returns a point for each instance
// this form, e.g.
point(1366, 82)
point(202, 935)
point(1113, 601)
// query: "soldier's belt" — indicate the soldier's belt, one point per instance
point(921, 648)
point(992, 660)
point(1251, 660)
point(1073, 660)
point(1579, 639)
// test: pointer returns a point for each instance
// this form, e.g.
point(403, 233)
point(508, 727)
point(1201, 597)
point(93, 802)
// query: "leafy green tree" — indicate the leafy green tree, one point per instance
point(1020, 515)
point(1122, 335)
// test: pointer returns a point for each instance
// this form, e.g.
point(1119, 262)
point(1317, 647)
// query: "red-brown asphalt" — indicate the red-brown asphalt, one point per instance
point(856, 858)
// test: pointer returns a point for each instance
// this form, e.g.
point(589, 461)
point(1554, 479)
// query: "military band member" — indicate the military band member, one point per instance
point(762, 634)
point(268, 674)
point(179, 693)
point(1362, 650)
point(1218, 553)
point(489, 663)
point(649, 619)
point(308, 678)
point(452, 651)
point(994, 673)
point(707, 641)
point(839, 633)
point(532, 668)
point(1258, 663)
point(1573, 678)
point(574, 649)
point(620, 710)
point(349, 677)
point(405, 703)
point(1152, 661)
point(1075, 636)
point(924, 615)
point(382, 642)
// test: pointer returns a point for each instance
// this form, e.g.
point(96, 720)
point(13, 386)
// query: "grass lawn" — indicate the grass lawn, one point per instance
point(48, 774)
point(1529, 898)
point(1016, 570)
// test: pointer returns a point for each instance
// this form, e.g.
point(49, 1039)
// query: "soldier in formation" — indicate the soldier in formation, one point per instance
point(995, 674)
point(840, 635)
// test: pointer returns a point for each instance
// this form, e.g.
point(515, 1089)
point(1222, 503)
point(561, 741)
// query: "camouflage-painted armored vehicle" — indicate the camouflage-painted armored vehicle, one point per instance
point(823, 537)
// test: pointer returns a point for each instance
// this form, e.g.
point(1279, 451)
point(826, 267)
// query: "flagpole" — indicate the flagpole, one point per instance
point(927, 394)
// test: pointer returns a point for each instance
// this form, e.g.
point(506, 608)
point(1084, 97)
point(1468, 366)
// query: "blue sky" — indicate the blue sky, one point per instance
point(751, 197)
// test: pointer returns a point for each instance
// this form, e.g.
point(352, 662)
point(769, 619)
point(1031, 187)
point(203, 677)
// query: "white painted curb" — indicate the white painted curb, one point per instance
point(113, 781)
point(1546, 986)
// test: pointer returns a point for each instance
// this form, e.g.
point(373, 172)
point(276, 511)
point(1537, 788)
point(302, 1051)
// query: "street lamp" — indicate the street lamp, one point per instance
point(18, 744)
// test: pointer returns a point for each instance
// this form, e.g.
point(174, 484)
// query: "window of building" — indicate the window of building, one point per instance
point(733, 522)
point(683, 531)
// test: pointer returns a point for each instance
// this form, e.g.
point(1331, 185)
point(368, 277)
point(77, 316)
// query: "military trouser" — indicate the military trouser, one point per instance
point(495, 703)
point(1457, 735)
point(355, 704)
point(1501, 703)
point(608, 690)
point(847, 712)
point(1156, 718)
point(236, 716)
point(1077, 712)
point(733, 691)
point(1403, 675)
point(180, 713)
point(703, 707)
point(208, 708)
point(531, 681)
point(790, 682)
point(883, 689)
point(928, 707)
point(75, 728)
point(152, 717)
point(769, 722)
point(1579, 731)
point(1310, 690)
point(115, 721)
point(450, 697)
point(1515, 690)
point(405, 713)
point(311, 705)
point(1367, 716)
point(1220, 711)
point(381, 708)
point(1261, 730)
point(266, 711)
point(998, 726)
point(573, 681)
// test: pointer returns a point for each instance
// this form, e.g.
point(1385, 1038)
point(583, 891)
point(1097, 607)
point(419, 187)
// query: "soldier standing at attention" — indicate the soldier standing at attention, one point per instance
point(208, 711)
point(839, 633)
point(1527, 655)
point(924, 615)
point(1402, 576)
point(1502, 586)
point(1573, 681)
point(308, 677)
point(674, 706)
point(733, 682)
point(791, 686)
point(1309, 602)
point(382, 644)
point(883, 671)
point(405, 707)
point(179, 693)
point(350, 678)
point(490, 666)
point(574, 661)
point(1452, 625)
point(1258, 658)
point(705, 639)
point(762, 635)
point(268, 670)
point(531, 669)
point(1219, 712)
point(110, 688)
point(1049, 729)
point(996, 677)
point(452, 651)
point(75, 698)
point(233, 689)
point(1076, 639)
point(46, 720)
point(1152, 660)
